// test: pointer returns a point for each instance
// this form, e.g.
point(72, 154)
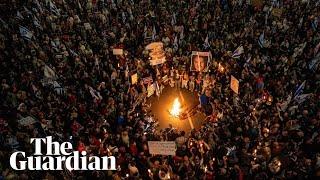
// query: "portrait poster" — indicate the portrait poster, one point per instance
point(200, 61)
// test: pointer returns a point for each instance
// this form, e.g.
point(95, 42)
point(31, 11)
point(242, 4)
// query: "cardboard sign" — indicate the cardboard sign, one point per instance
point(150, 90)
point(277, 12)
point(234, 85)
point(134, 78)
point(162, 147)
point(117, 51)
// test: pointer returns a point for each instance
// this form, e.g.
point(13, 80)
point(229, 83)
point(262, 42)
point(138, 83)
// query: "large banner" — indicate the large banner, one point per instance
point(234, 85)
point(200, 61)
point(162, 147)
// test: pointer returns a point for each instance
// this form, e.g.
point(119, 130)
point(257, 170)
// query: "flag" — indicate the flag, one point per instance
point(48, 72)
point(4, 24)
point(284, 105)
point(316, 49)
point(95, 94)
point(58, 88)
point(261, 40)
point(154, 33)
point(19, 16)
point(300, 89)
point(173, 19)
point(73, 53)
point(175, 44)
point(25, 33)
point(247, 62)
point(181, 34)
point(27, 11)
point(123, 17)
point(54, 9)
point(38, 5)
point(301, 98)
point(313, 65)
point(238, 52)
point(36, 22)
point(314, 24)
point(206, 43)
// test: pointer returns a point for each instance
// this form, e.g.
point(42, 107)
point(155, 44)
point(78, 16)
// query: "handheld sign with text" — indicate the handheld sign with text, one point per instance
point(162, 147)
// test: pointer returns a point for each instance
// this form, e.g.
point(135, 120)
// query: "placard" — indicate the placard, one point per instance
point(200, 61)
point(117, 51)
point(162, 147)
point(234, 84)
point(134, 78)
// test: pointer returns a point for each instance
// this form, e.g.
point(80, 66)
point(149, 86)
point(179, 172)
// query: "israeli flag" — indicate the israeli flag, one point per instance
point(54, 9)
point(25, 33)
point(19, 16)
point(36, 22)
point(173, 19)
point(261, 40)
point(299, 91)
point(313, 65)
point(236, 54)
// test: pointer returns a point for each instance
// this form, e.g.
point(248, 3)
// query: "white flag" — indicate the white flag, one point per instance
point(48, 72)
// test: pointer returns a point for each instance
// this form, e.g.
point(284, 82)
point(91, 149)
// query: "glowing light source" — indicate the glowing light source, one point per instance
point(176, 108)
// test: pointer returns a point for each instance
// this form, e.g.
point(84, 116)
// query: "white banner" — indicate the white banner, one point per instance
point(162, 147)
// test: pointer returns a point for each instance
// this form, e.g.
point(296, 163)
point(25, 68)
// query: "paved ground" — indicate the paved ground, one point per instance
point(160, 108)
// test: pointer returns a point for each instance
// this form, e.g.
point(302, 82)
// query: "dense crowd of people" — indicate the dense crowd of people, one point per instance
point(60, 78)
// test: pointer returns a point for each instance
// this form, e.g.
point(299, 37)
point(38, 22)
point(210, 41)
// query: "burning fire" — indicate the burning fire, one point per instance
point(176, 108)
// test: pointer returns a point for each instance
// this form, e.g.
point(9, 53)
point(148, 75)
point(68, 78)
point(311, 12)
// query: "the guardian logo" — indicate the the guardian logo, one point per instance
point(62, 157)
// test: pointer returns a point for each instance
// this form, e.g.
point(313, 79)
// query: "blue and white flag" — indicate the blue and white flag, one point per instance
point(19, 16)
point(73, 53)
point(145, 31)
point(314, 24)
point(54, 9)
point(27, 11)
point(299, 91)
point(173, 19)
point(154, 33)
point(301, 98)
point(238, 52)
point(206, 44)
point(36, 22)
point(25, 33)
point(313, 65)
point(123, 17)
point(261, 40)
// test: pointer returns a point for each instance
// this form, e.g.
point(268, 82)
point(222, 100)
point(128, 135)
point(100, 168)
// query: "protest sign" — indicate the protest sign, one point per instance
point(234, 85)
point(162, 147)
point(134, 78)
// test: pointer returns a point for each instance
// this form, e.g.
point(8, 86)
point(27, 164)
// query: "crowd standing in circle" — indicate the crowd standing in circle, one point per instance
point(253, 135)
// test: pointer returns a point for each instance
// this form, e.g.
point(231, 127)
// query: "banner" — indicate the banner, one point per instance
point(117, 51)
point(134, 78)
point(234, 85)
point(26, 121)
point(200, 61)
point(162, 147)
